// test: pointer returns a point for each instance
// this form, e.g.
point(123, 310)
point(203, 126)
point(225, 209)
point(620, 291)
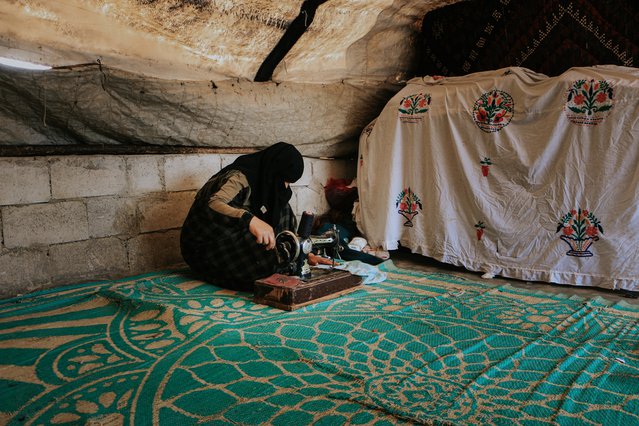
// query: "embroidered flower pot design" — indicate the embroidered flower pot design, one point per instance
point(580, 229)
point(485, 166)
point(413, 107)
point(493, 111)
point(408, 203)
point(479, 230)
point(589, 102)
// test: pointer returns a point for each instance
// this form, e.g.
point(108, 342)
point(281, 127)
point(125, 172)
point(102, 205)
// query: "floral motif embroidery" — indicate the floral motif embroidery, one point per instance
point(589, 102)
point(485, 166)
point(369, 128)
point(479, 229)
point(580, 229)
point(413, 107)
point(493, 111)
point(408, 202)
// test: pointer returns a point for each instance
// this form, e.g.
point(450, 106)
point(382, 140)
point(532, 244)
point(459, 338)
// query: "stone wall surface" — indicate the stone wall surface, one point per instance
point(215, 39)
point(71, 219)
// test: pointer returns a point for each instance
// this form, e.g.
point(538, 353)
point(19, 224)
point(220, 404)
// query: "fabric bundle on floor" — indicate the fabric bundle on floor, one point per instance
point(417, 348)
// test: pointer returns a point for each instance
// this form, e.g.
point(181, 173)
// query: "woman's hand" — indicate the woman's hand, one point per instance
point(263, 232)
point(315, 260)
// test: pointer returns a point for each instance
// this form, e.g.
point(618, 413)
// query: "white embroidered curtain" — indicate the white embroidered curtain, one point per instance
point(510, 172)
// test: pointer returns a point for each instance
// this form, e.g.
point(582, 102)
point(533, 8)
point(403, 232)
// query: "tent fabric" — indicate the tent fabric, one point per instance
point(510, 172)
point(102, 106)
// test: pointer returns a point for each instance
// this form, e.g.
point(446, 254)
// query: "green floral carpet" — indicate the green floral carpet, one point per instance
point(418, 348)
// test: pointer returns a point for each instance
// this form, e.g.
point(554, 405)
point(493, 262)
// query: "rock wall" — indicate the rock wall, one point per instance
point(70, 219)
point(214, 39)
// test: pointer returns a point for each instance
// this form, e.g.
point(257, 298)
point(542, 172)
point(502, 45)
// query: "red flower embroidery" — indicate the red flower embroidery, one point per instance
point(601, 97)
point(422, 103)
point(591, 231)
point(407, 103)
point(578, 99)
point(481, 114)
point(479, 226)
point(580, 229)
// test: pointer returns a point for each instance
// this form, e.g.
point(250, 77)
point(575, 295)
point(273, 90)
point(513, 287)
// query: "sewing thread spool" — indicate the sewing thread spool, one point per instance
point(306, 225)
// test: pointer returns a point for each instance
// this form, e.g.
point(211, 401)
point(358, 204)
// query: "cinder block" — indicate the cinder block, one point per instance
point(184, 172)
point(293, 202)
point(144, 174)
point(154, 251)
point(88, 260)
point(87, 176)
point(24, 181)
point(25, 226)
point(306, 178)
point(228, 159)
point(165, 212)
point(2, 249)
point(338, 169)
point(22, 271)
point(110, 216)
point(310, 198)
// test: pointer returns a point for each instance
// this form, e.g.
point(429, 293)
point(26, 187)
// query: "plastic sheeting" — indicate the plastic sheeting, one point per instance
point(106, 106)
point(512, 173)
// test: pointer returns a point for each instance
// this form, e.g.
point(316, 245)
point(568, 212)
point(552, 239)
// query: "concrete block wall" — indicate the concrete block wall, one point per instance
point(71, 219)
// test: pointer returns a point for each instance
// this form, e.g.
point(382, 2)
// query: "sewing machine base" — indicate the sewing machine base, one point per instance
point(291, 292)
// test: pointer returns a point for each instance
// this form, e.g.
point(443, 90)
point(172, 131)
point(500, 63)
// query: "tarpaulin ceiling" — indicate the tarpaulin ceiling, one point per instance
point(180, 72)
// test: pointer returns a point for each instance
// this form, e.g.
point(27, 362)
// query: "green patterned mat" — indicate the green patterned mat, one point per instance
point(418, 348)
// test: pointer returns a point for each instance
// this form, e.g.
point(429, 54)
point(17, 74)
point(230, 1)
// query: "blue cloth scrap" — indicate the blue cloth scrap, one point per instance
point(370, 273)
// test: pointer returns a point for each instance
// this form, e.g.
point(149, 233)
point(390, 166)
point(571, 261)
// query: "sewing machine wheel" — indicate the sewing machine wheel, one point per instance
point(287, 247)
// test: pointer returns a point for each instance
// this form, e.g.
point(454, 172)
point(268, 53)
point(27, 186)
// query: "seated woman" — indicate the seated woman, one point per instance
point(229, 233)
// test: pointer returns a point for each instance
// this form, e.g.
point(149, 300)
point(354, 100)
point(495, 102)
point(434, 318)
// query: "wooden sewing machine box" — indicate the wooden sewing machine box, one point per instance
point(291, 292)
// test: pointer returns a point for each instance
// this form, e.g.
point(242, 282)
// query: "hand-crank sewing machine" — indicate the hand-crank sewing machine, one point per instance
point(297, 284)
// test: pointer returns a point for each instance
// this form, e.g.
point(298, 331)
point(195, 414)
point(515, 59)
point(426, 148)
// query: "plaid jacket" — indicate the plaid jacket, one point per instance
point(220, 248)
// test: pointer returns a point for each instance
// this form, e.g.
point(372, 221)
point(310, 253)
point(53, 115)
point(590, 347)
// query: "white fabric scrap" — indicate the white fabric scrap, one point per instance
point(371, 274)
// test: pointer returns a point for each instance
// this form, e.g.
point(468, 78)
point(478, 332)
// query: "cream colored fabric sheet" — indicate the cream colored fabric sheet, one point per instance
point(510, 172)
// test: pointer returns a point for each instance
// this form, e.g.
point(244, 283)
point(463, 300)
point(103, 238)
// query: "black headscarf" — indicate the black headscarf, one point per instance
point(266, 172)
